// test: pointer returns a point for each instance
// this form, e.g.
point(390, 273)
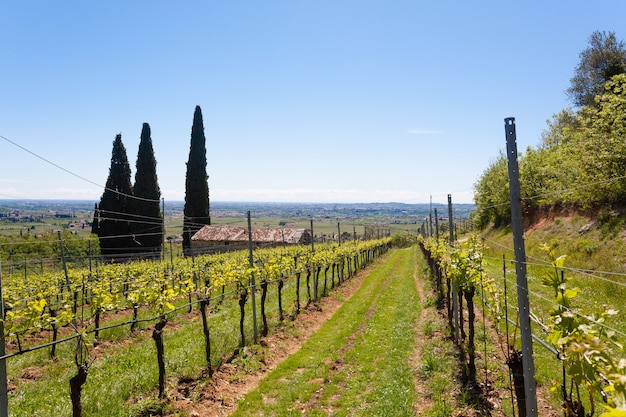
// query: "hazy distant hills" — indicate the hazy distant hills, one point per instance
point(259, 208)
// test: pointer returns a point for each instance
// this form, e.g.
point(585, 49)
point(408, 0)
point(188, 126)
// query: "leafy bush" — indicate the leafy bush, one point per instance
point(581, 163)
point(403, 240)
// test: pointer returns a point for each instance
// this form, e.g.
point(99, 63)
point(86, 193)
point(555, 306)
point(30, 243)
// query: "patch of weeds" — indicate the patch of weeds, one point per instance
point(338, 296)
point(586, 246)
point(610, 224)
point(149, 407)
point(430, 365)
point(554, 242)
point(431, 301)
point(466, 397)
point(438, 385)
point(428, 328)
point(440, 409)
point(286, 327)
point(252, 360)
point(481, 337)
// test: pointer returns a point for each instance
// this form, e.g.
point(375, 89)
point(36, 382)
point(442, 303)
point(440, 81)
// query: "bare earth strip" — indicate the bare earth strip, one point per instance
point(220, 395)
point(423, 400)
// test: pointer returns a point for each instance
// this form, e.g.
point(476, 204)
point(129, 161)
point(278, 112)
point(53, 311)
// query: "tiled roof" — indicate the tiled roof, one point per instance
point(240, 234)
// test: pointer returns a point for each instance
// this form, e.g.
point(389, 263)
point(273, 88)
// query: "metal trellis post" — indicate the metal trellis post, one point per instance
point(430, 217)
point(312, 238)
point(455, 289)
point(252, 280)
point(4, 389)
point(339, 233)
point(520, 269)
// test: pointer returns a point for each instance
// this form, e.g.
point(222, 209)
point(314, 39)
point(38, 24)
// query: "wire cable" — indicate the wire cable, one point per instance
point(72, 173)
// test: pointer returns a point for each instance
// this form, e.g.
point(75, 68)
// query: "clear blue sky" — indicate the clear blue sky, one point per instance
point(309, 101)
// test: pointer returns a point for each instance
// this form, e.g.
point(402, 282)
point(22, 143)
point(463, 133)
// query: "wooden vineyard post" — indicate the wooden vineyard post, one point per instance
point(520, 269)
point(298, 273)
point(281, 283)
point(264, 285)
point(4, 393)
point(157, 336)
point(207, 335)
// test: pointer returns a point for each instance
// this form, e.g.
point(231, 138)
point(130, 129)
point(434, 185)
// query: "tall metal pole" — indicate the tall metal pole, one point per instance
point(172, 257)
point(430, 217)
point(455, 289)
point(4, 391)
point(436, 225)
point(67, 279)
point(252, 280)
point(163, 230)
point(312, 238)
point(339, 233)
point(88, 255)
point(530, 388)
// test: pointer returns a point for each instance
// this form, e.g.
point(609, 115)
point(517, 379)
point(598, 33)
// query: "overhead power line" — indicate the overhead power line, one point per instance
point(72, 173)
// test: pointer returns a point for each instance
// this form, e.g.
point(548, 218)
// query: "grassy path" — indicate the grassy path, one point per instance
point(358, 363)
point(383, 353)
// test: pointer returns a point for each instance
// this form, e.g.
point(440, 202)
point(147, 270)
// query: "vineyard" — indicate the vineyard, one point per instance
point(116, 333)
point(577, 332)
point(70, 316)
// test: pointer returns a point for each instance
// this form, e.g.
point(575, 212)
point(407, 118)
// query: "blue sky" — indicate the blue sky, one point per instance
point(306, 101)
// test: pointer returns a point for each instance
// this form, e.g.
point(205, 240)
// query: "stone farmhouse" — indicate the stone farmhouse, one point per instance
point(211, 239)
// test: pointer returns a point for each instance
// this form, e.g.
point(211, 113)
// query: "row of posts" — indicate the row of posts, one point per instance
point(530, 389)
point(520, 268)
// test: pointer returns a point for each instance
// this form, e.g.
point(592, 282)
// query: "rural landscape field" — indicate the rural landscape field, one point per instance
point(353, 333)
point(108, 312)
point(329, 208)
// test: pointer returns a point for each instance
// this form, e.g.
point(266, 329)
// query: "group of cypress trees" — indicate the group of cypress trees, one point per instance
point(128, 220)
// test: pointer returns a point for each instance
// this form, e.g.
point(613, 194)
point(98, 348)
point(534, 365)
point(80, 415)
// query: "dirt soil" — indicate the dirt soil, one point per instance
point(220, 394)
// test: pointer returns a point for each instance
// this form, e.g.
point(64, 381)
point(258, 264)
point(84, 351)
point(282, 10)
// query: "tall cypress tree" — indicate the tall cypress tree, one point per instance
point(196, 183)
point(114, 211)
point(148, 225)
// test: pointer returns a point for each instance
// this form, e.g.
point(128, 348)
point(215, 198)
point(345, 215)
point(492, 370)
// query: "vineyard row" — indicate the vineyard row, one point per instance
point(57, 303)
point(588, 349)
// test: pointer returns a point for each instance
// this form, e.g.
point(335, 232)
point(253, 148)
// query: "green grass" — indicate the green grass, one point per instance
point(357, 363)
point(601, 248)
point(122, 379)
point(438, 369)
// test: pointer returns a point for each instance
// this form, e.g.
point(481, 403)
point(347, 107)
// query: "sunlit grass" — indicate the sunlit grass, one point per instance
point(599, 247)
point(357, 363)
point(122, 378)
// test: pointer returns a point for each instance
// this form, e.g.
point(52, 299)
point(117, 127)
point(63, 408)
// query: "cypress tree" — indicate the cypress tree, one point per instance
point(196, 183)
point(114, 211)
point(148, 225)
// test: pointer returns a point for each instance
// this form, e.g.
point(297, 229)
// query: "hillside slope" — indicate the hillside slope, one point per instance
point(594, 269)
